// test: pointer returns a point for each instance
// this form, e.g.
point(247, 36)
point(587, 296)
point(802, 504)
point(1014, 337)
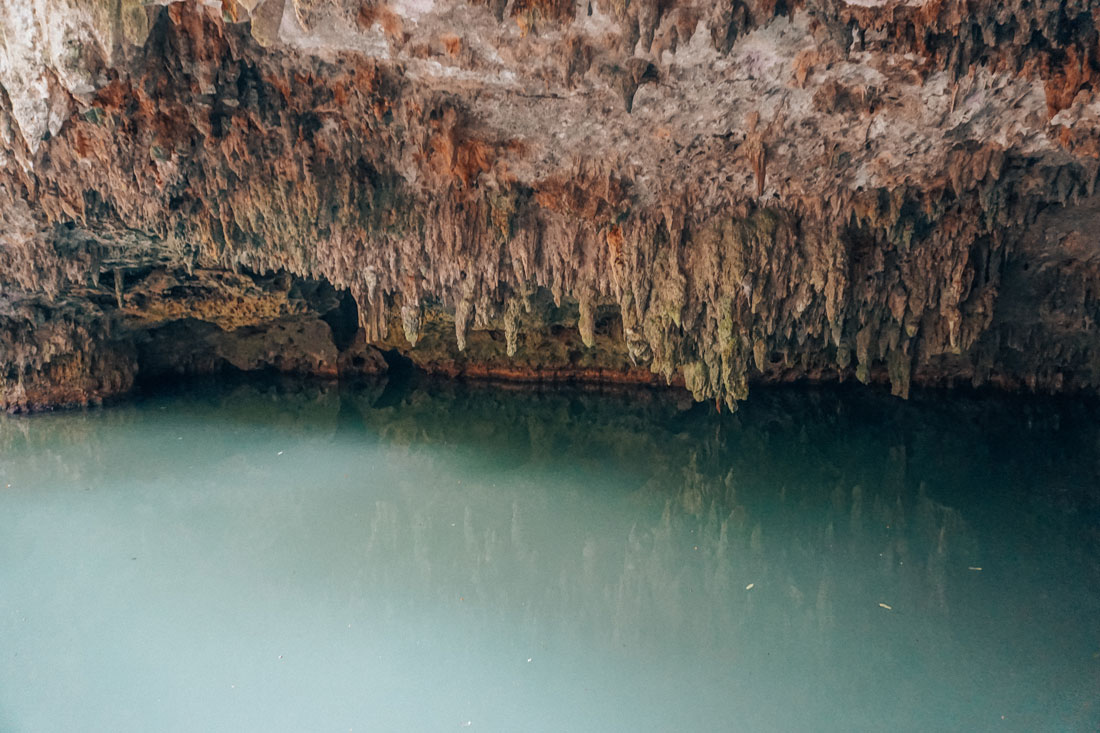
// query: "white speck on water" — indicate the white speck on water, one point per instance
point(279, 453)
point(750, 586)
point(973, 568)
point(888, 608)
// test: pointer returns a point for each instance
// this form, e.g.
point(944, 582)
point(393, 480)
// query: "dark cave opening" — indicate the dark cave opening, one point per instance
point(344, 321)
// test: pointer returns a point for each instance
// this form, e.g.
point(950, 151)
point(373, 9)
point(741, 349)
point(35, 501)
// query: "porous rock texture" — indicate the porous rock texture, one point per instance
point(705, 191)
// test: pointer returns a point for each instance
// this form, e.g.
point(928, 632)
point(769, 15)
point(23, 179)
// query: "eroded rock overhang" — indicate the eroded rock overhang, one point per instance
point(707, 192)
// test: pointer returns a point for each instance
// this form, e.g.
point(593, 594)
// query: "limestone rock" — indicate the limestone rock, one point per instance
point(698, 192)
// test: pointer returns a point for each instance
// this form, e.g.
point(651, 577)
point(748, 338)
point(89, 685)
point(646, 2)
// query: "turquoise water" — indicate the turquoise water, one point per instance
point(297, 558)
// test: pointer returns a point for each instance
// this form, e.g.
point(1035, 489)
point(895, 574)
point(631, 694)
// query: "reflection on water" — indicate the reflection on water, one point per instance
point(446, 558)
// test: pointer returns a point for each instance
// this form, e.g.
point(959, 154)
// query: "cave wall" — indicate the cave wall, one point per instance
point(710, 192)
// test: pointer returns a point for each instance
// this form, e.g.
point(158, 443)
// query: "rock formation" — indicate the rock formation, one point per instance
point(707, 191)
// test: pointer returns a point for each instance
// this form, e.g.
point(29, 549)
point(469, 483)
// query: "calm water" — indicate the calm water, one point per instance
point(448, 558)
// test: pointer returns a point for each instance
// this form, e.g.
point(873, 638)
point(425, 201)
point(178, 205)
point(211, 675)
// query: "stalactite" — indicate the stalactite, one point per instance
point(511, 326)
point(836, 230)
point(410, 322)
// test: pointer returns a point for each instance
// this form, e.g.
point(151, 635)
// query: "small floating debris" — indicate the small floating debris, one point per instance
point(279, 453)
point(888, 608)
point(467, 724)
point(529, 659)
point(750, 586)
point(973, 568)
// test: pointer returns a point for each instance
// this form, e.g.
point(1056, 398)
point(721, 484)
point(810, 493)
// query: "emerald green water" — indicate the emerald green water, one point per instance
point(443, 558)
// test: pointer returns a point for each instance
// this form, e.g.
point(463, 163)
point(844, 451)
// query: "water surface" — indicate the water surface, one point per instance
point(292, 558)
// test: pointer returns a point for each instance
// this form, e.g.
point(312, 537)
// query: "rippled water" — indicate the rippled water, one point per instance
point(445, 558)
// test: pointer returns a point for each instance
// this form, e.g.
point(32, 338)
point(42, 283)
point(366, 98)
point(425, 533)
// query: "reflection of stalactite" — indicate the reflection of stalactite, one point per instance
point(856, 513)
point(695, 515)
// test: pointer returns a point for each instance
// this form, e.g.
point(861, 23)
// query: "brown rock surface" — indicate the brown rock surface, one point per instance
point(712, 192)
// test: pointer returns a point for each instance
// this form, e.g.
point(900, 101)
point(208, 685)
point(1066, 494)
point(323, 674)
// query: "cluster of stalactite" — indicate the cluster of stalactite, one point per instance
point(209, 152)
